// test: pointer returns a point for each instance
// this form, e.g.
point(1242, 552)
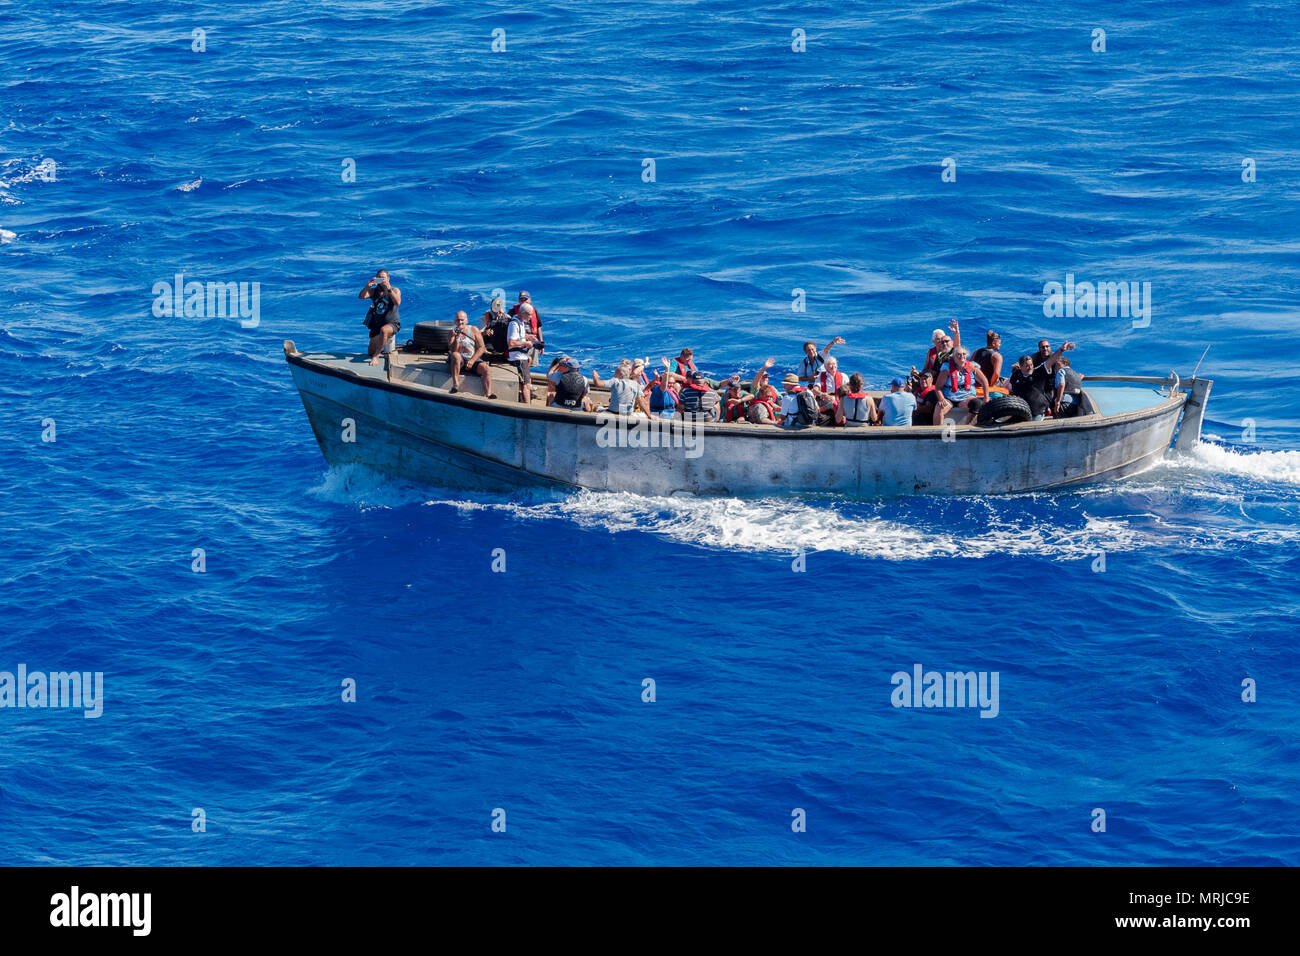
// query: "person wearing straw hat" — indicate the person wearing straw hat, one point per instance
point(790, 398)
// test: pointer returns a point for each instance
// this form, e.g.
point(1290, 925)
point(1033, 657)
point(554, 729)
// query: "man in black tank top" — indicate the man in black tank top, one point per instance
point(382, 319)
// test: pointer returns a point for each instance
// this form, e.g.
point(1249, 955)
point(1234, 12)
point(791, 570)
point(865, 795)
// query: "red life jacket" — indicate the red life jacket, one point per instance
point(690, 364)
point(736, 408)
point(839, 380)
point(954, 377)
point(658, 380)
point(535, 322)
point(773, 408)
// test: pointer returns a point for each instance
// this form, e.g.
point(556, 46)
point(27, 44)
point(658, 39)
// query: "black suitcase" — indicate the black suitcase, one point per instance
point(431, 336)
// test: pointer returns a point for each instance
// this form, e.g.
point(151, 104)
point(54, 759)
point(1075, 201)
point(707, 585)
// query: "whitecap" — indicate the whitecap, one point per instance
point(190, 187)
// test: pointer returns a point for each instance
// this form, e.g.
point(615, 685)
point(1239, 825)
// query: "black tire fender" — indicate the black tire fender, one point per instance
point(1004, 410)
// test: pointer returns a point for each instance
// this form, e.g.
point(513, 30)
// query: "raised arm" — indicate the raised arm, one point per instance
point(1053, 360)
point(669, 375)
point(955, 328)
point(753, 386)
point(365, 289)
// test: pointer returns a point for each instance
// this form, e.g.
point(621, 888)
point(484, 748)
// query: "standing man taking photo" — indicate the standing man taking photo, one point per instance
point(382, 319)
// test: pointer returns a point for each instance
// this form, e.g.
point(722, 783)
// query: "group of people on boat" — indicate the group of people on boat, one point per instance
point(517, 334)
point(951, 385)
point(952, 379)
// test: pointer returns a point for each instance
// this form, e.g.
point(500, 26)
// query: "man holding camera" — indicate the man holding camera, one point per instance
point(521, 344)
point(382, 319)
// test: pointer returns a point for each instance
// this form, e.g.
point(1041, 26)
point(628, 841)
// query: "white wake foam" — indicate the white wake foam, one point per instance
point(1056, 527)
point(365, 488)
point(775, 526)
point(1280, 467)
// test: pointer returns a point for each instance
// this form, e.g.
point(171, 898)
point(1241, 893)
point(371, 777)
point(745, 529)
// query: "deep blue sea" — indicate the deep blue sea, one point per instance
point(128, 156)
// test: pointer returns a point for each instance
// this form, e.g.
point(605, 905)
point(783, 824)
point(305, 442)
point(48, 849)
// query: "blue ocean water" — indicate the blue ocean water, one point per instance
point(774, 170)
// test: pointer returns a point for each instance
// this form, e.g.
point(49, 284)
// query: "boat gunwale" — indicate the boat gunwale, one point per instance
point(738, 429)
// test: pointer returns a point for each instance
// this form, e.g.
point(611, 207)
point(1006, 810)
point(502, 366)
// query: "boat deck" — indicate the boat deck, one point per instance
point(1118, 399)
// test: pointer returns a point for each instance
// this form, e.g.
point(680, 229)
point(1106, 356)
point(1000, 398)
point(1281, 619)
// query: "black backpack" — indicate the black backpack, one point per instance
point(571, 388)
point(806, 416)
point(495, 337)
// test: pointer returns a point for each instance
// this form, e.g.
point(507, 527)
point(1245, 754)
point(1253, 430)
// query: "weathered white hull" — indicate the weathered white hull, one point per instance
point(421, 432)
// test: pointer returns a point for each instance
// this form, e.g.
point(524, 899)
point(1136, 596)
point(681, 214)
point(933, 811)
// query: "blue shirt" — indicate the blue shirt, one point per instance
point(662, 398)
point(897, 408)
point(811, 368)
